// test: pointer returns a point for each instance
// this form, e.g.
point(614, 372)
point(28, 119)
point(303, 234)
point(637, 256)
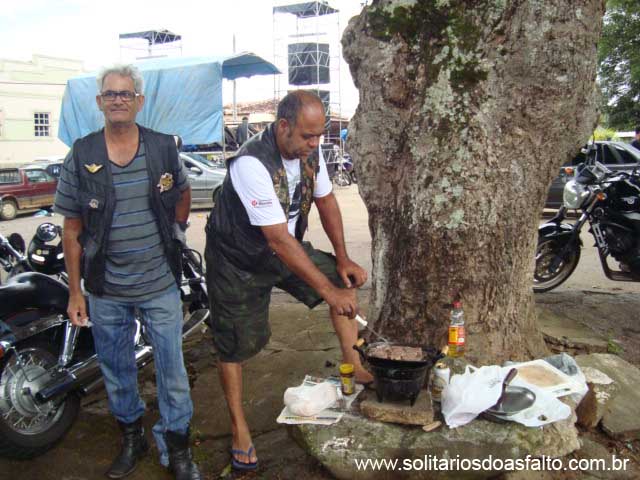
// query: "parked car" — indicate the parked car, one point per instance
point(25, 188)
point(615, 155)
point(205, 177)
point(216, 163)
point(52, 167)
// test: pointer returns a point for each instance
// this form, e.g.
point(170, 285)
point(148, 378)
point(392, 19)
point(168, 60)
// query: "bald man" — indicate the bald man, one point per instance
point(254, 242)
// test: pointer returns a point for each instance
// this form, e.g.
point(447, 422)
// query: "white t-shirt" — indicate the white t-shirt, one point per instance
point(254, 186)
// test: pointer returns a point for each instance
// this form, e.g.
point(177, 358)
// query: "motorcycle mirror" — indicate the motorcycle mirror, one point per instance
point(17, 242)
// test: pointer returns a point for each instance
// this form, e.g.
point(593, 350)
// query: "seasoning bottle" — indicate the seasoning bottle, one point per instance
point(347, 377)
point(456, 331)
point(439, 380)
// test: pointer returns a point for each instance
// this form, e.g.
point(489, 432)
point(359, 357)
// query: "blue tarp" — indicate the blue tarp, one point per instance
point(183, 96)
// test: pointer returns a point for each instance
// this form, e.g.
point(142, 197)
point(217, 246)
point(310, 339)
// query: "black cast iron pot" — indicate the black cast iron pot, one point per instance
point(398, 379)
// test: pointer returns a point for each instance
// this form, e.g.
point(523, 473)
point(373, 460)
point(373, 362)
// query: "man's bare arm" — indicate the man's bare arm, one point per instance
point(331, 219)
point(351, 273)
point(183, 207)
point(77, 310)
point(289, 250)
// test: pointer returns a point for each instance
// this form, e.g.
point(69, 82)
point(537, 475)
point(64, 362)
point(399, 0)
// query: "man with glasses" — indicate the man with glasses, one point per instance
point(125, 197)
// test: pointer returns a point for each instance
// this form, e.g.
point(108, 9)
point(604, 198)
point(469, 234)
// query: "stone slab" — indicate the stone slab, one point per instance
point(602, 389)
point(621, 418)
point(593, 451)
point(340, 448)
point(565, 334)
point(421, 413)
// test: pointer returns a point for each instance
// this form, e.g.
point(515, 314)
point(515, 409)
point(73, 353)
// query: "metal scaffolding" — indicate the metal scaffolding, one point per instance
point(306, 48)
point(158, 43)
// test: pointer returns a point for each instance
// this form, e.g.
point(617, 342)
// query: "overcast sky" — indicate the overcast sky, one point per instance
point(88, 31)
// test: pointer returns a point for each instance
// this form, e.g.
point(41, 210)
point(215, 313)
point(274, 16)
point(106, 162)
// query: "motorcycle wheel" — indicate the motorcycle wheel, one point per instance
point(543, 279)
point(354, 178)
point(343, 179)
point(26, 428)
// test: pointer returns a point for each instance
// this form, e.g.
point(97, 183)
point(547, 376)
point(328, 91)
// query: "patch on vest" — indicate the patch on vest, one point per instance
point(166, 182)
point(93, 168)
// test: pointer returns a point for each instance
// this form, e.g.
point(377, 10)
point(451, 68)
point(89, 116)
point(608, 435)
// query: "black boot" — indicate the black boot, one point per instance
point(134, 446)
point(180, 460)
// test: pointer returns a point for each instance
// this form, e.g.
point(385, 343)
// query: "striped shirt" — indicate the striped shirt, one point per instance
point(136, 265)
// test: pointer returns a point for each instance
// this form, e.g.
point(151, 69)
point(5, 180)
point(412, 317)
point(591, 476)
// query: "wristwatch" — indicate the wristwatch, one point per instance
point(183, 225)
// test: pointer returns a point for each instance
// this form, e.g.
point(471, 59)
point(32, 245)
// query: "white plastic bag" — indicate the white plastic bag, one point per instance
point(469, 394)
point(546, 409)
point(307, 401)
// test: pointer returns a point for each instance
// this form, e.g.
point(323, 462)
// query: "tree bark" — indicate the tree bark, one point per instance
point(467, 110)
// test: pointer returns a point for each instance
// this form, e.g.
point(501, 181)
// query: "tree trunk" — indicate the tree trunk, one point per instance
point(467, 109)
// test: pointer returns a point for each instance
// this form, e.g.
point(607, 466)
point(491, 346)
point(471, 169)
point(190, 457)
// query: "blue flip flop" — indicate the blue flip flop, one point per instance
point(245, 466)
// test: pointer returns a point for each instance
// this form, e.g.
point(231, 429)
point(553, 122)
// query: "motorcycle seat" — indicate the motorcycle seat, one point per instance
point(33, 291)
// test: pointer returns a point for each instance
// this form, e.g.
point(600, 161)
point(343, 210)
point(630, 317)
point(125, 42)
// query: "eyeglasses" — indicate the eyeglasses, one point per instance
point(125, 95)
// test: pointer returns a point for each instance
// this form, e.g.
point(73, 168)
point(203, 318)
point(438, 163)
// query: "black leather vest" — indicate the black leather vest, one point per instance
point(229, 227)
point(97, 198)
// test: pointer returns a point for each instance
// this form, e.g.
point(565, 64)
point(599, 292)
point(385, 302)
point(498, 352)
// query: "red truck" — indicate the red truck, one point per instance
point(25, 188)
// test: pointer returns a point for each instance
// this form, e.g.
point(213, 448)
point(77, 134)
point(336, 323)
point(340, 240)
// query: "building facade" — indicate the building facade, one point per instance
point(30, 100)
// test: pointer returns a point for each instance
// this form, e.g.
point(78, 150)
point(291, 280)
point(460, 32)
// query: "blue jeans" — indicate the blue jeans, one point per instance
point(113, 332)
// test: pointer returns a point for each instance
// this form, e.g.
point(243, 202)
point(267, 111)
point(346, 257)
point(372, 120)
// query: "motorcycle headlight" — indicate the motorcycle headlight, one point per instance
point(47, 232)
point(574, 194)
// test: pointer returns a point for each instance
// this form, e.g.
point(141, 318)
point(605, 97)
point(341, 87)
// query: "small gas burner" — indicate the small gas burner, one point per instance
point(396, 384)
point(398, 379)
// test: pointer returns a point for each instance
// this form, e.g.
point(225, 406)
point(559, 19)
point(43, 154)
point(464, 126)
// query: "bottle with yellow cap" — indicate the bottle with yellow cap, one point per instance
point(347, 376)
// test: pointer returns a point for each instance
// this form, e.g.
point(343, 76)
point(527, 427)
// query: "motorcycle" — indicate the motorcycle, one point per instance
point(47, 364)
point(15, 258)
point(610, 203)
point(348, 166)
point(339, 167)
point(341, 171)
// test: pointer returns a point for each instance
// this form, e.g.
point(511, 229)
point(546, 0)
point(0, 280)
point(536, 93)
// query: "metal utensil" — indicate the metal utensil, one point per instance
point(507, 380)
point(365, 324)
point(515, 400)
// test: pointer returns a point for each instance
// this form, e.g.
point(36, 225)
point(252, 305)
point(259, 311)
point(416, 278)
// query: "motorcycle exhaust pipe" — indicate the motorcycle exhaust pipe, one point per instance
point(98, 383)
point(85, 374)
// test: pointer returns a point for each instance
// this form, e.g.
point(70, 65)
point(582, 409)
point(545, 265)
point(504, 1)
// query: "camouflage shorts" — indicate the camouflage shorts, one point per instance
point(239, 300)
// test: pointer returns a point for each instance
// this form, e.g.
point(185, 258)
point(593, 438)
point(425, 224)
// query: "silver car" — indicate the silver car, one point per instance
point(205, 177)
